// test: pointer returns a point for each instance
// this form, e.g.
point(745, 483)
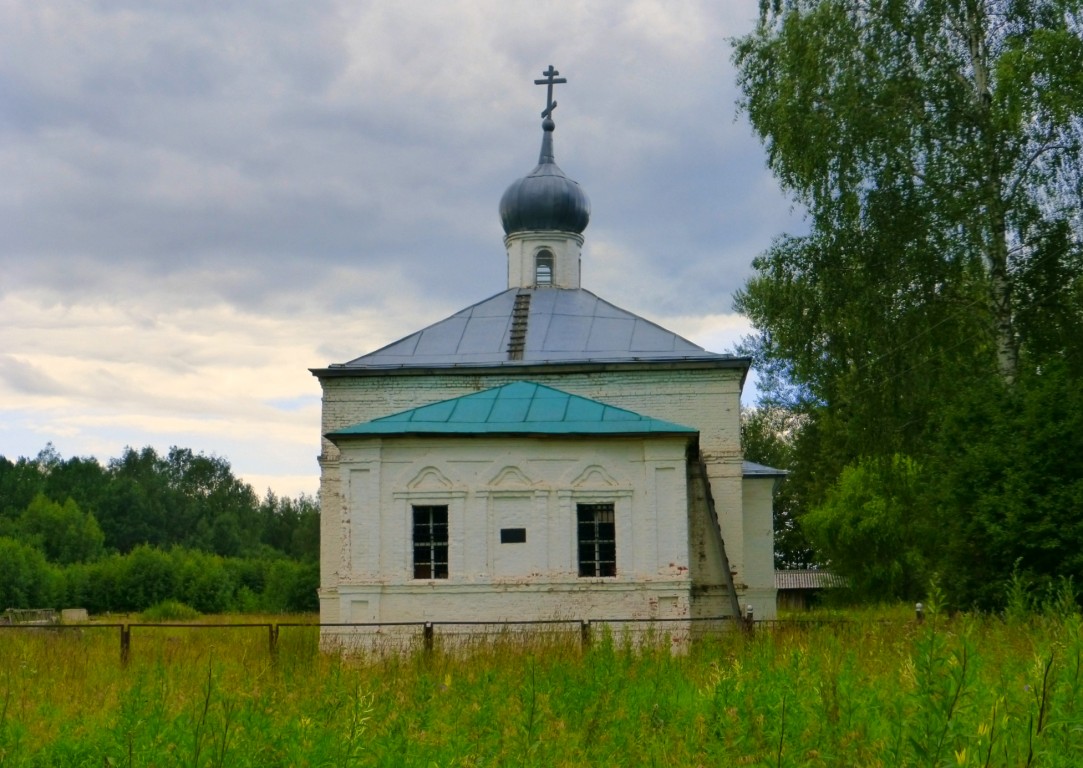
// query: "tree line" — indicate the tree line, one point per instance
point(146, 527)
point(921, 345)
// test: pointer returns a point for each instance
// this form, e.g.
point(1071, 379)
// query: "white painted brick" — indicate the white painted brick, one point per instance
point(707, 399)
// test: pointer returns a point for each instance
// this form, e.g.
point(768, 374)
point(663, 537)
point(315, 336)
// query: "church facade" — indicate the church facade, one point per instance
point(542, 454)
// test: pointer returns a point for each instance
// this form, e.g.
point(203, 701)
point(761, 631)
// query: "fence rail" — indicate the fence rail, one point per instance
point(426, 632)
point(583, 630)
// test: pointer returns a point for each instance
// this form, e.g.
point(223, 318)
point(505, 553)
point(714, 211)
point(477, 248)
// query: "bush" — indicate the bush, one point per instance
point(876, 530)
point(291, 587)
point(148, 576)
point(170, 610)
point(26, 579)
point(202, 581)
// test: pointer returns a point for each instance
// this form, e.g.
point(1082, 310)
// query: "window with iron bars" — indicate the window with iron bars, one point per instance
point(430, 542)
point(597, 540)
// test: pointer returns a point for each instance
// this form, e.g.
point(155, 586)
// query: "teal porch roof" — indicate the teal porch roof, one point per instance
point(521, 407)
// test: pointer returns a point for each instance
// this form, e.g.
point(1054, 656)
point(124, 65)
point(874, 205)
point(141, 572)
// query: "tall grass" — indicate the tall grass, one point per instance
point(967, 691)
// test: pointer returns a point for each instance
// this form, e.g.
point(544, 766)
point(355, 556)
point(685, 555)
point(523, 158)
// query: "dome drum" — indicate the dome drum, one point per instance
point(564, 250)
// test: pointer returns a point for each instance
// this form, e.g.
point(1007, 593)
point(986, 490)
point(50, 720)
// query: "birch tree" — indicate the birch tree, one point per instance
point(936, 147)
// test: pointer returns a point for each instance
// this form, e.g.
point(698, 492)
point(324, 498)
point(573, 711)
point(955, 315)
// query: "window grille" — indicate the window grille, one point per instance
point(597, 540)
point(430, 542)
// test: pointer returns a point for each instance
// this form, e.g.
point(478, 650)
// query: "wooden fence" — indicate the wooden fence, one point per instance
point(425, 634)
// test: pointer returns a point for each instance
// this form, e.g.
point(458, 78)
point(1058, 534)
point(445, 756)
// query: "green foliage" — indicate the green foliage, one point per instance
point(26, 579)
point(147, 528)
point(292, 525)
point(942, 668)
point(875, 531)
point(292, 587)
point(144, 577)
point(148, 576)
point(170, 610)
point(63, 532)
point(1024, 599)
point(935, 146)
point(934, 307)
point(19, 483)
point(1010, 484)
point(181, 499)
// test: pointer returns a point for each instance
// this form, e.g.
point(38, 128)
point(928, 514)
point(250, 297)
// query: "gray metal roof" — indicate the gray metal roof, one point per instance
point(808, 579)
point(752, 469)
point(519, 408)
point(563, 325)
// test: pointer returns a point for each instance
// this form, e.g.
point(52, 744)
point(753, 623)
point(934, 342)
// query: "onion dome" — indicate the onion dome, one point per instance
point(545, 199)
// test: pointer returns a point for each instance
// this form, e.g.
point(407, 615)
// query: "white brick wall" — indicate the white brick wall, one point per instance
point(759, 545)
point(707, 399)
point(520, 482)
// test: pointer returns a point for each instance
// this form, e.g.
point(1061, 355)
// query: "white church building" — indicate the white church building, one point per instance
point(542, 454)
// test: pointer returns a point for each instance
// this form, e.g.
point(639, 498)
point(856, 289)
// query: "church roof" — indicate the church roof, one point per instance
point(545, 199)
point(752, 469)
point(521, 407)
point(525, 326)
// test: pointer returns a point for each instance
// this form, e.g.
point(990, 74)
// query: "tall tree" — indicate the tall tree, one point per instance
point(138, 503)
point(63, 532)
point(936, 145)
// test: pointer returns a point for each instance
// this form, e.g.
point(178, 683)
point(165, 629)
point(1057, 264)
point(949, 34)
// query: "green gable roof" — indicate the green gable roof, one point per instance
point(518, 408)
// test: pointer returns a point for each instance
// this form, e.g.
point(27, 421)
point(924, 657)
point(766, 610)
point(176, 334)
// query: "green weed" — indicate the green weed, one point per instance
point(961, 691)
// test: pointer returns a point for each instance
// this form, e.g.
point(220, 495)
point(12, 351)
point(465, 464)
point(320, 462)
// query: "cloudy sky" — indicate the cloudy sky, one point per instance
point(202, 199)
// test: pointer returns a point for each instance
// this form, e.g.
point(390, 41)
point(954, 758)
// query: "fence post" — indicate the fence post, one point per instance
point(272, 640)
point(749, 619)
point(919, 613)
point(427, 634)
point(584, 633)
point(125, 643)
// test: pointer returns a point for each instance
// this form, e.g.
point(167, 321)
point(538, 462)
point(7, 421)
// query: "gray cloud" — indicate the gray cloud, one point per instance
point(28, 379)
point(310, 162)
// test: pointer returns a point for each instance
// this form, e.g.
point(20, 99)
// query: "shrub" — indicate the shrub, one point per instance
point(170, 610)
point(202, 581)
point(26, 579)
point(148, 576)
point(291, 587)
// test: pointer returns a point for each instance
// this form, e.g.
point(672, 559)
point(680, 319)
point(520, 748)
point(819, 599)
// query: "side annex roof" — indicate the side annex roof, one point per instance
point(519, 408)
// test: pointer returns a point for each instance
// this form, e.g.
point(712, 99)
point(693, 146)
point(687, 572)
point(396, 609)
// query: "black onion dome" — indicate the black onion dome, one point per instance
point(545, 199)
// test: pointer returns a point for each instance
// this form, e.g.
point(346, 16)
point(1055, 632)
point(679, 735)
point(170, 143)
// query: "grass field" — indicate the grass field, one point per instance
point(860, 692)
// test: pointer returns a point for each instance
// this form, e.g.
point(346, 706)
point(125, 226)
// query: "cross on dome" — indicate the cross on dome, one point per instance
point(544, 214)
point(551, 80)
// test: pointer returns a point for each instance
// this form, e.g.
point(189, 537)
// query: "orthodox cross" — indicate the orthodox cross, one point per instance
point(551, 80)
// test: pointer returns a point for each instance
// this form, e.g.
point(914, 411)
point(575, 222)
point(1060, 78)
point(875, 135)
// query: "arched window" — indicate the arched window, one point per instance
point(543, 267)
